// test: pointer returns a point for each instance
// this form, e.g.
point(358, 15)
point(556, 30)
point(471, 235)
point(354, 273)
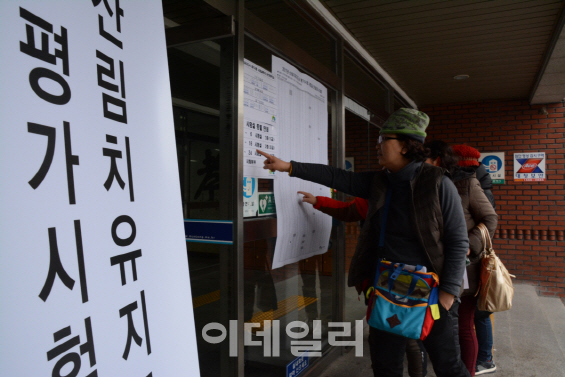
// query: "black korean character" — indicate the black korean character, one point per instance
point(122, 259)
point(114, 173)
point(107, 100)
point(72, 357)
point(110, 72)
point(42, 53)
point(38, 73)
point(119, 14)
point(132, 333)
point(126, 257)
point(70, 159)
point(44, 73)
point(56, 267)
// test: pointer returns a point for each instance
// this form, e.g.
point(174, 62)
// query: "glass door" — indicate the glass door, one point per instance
point(294, 295)
point(197, 73)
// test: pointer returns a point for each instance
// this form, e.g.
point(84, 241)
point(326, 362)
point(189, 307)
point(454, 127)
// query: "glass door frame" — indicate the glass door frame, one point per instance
point(237, 24)
point(229, 34)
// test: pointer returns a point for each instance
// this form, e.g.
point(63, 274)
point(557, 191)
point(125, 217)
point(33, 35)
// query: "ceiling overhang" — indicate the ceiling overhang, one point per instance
point(550, 87)
point(349, 38)
point(508, 48)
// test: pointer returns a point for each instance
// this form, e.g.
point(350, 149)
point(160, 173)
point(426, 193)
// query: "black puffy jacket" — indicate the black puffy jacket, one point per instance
point(486, 183)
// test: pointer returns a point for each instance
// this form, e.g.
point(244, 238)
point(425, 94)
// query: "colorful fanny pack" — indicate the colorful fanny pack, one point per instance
point(403, 302)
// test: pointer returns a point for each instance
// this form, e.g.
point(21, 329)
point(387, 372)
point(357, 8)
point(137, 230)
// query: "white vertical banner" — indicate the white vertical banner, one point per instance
point(303, 136)
point(93, 266)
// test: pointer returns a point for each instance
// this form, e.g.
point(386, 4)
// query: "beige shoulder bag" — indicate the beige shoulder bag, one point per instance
point(496, 290)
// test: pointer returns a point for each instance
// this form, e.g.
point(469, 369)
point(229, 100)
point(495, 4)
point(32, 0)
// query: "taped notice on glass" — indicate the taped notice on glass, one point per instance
point(303, 133)
point(260, 119)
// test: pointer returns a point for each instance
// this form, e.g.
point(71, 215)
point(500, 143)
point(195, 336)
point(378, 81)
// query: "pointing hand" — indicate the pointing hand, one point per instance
point(274, 163)
point(308, 198)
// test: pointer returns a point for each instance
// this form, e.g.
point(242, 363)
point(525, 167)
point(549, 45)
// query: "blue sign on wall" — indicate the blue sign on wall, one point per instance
point(298, 365)
point(494, 164)
point(209, 231)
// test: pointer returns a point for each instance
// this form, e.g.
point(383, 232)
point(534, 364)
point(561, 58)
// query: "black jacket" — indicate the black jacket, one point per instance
point(426, 222)
point(486, 183)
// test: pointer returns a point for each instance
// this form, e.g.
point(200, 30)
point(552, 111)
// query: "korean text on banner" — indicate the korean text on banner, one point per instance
point(92, 240)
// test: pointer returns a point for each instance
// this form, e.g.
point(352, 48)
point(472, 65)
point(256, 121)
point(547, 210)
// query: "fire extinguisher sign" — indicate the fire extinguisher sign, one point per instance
point(529, 167)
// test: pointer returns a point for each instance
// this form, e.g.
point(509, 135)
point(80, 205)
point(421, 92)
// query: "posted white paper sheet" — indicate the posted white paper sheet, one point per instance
point(260, 118)
point(303, 133)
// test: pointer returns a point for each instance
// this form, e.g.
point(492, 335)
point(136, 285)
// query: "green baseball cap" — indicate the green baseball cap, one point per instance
point(408, 122)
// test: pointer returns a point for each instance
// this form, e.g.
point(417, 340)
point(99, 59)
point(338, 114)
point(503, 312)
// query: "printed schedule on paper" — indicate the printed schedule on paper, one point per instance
point(260, 118)
point(303, 121)
point(285, 114)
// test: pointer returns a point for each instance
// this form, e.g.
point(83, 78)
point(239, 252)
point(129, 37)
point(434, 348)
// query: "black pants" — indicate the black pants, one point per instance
point(417, 358)
point(442, 344)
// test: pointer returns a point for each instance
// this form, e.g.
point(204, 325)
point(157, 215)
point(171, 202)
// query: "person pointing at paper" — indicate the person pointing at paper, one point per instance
point(425, 225)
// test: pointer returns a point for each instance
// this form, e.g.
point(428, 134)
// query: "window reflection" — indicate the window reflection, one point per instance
point(195, 84)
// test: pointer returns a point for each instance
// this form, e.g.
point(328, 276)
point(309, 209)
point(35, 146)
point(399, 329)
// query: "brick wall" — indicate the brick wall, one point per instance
point(530, 235)
point(529, 238)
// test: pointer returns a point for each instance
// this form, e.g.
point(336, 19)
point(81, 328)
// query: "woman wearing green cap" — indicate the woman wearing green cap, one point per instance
point(425, 226)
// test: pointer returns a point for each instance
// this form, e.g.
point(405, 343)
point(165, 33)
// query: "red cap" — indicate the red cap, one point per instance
point(468, 156)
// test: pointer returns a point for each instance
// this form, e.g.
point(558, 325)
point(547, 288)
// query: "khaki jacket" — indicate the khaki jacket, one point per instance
point(477, 209)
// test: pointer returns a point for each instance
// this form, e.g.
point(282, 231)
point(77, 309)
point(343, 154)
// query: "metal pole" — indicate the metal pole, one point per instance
point(338, 160)
point(237, 170)
point(231, 187)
